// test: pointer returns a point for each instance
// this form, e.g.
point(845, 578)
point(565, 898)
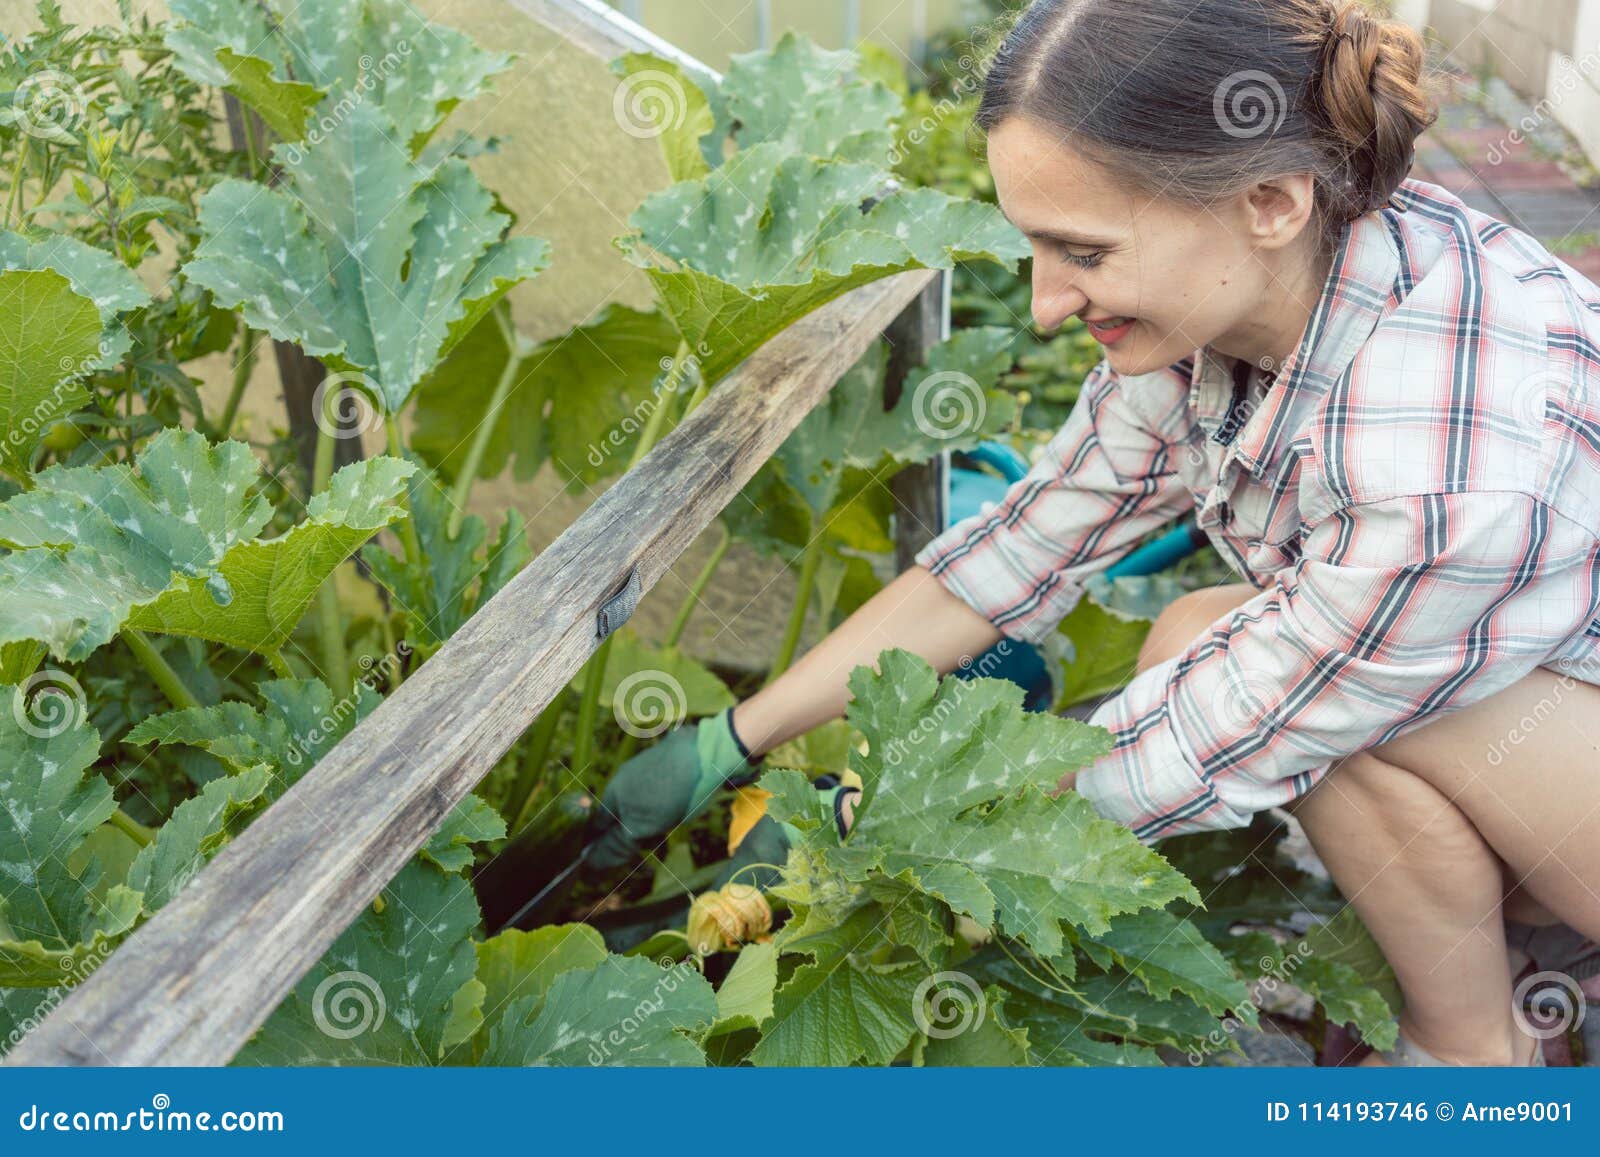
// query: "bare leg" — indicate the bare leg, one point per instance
point(1420, 833)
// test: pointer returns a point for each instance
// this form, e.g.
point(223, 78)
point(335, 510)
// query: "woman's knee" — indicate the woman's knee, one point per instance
point(1365, 796)
point(1186, 618)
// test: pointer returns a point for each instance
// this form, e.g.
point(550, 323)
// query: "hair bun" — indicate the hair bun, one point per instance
point(1372, 99)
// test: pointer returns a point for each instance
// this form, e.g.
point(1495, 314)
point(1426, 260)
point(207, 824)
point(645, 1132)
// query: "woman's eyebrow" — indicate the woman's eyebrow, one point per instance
point(1066, 237)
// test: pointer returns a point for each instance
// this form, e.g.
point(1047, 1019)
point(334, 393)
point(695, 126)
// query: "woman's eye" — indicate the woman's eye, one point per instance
point(1083, 260)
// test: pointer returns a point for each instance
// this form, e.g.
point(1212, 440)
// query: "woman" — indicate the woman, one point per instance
point(1383, 407)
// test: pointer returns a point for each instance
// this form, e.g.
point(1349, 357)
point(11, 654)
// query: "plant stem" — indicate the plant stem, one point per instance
point(530, 779)
point(132, 828)
point(330, 626)
point(280, 665)
point(170, 682)
point(595, 672)
point(244, 362)
point(810, 558)
point(408, 525)
point(468, 474)
point(698, 589)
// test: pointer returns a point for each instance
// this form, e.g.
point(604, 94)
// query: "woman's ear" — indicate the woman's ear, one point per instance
point(1278, 208)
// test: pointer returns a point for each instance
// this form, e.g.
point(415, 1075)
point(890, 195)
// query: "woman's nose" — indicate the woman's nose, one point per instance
point(1055, 300)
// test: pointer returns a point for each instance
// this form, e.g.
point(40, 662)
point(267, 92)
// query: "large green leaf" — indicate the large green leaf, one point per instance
point(274, 581)
point(53, 925)
point(845, 1007)
point(198, 829)
point(518, 965)
point(458, 574)
point(661, 685)
point(771, 235)
point(300, 722)
point(281, 57)
point(384, 992)
point(364, 257)
point(49, 336)
point(1059, 1019)
point(1168, 954)
point(579, 401)
point(621, 1011)
point(808, 99)
point(91, 544)
point(169, 545)
point(60, 304)
point(956, 779)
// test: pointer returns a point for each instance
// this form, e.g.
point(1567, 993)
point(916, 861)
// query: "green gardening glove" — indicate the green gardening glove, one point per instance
point(768, 842)
point(672, 782)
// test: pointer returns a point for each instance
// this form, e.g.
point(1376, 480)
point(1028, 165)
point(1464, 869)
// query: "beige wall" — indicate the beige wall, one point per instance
point(1548, 50)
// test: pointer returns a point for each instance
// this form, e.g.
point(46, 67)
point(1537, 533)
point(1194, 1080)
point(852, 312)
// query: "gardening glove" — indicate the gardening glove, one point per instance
point(672, 782)
point(768, 842)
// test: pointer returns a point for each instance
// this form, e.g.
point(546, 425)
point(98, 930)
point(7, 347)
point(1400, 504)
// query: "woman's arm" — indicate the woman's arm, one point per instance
point(1101, 484)
point(914, 612)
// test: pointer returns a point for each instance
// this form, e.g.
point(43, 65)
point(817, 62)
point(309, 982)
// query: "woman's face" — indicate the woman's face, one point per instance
point(1154, 278)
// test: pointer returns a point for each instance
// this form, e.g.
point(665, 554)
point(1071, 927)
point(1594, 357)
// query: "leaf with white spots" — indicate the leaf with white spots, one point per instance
point(300, 65)
point(771, 235)
point(274, 580)
point(622, 1011)
point(955, 804)
point(299, 722)
point(53, 923)
point(91, 543)
point(364, 257)
point(198, 829)
point(384, 992)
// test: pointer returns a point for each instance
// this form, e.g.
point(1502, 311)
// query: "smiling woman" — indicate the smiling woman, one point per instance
point(1410, 485)
point(1184, 170)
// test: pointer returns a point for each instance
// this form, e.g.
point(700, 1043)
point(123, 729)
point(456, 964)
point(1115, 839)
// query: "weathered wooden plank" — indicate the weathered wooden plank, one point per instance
point(920, 492)
point(190, 986)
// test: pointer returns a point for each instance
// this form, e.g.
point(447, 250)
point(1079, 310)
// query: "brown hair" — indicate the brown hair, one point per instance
point(1199, 101)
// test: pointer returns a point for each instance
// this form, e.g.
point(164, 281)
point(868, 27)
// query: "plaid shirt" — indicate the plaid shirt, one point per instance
point(1416, 499)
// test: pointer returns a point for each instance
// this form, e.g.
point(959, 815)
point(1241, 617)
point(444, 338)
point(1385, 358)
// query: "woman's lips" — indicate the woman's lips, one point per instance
point(1111, 331)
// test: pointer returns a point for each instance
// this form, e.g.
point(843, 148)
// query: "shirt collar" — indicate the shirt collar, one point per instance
point(1360, 284)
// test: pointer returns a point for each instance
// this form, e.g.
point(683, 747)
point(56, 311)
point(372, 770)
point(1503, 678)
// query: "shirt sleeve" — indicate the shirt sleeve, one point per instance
point(1398, 612)
point(1103, 482)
